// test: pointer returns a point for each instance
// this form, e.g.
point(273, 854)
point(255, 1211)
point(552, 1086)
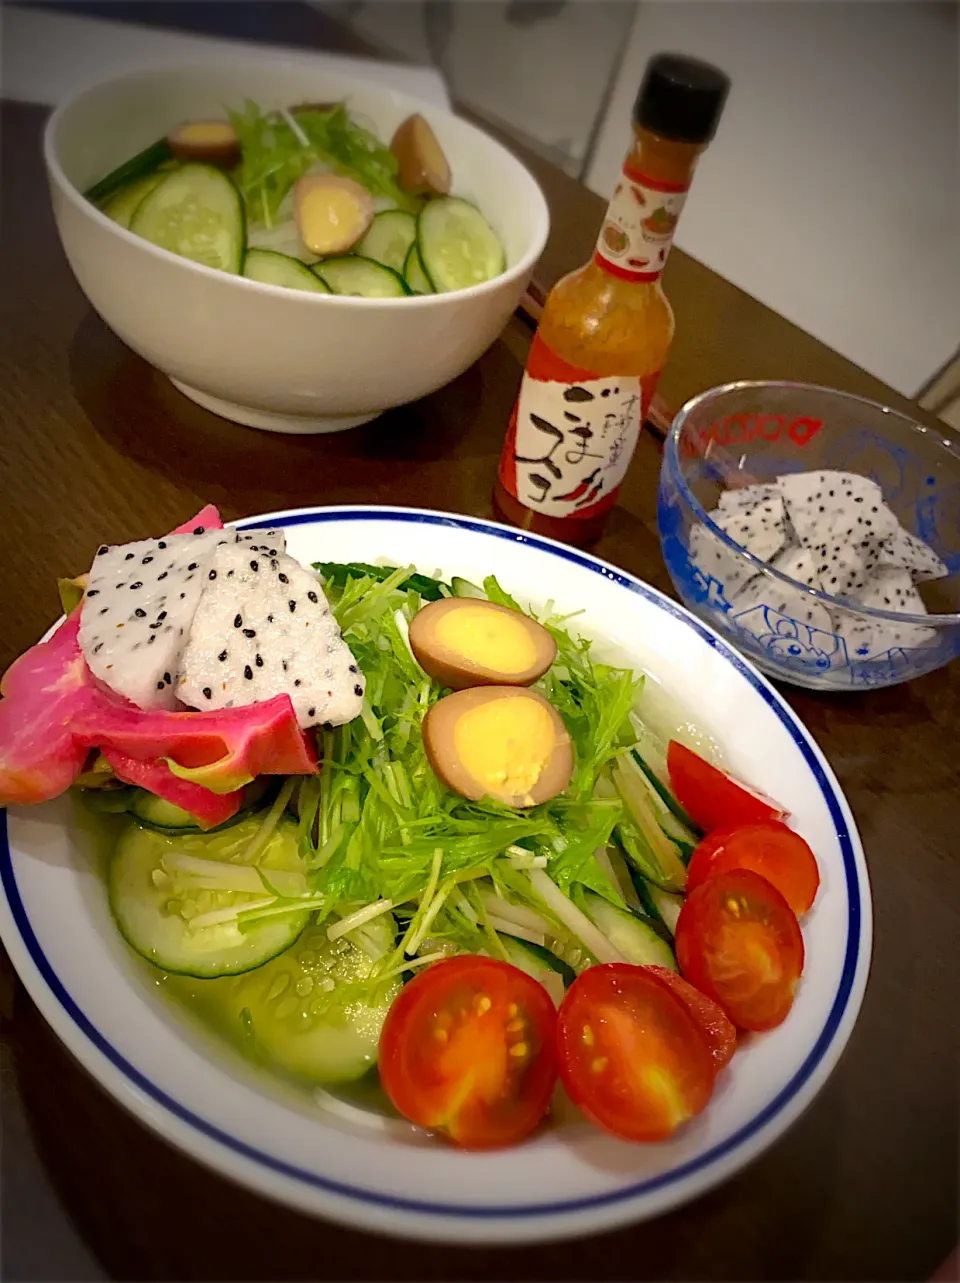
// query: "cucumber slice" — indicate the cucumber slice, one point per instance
point(360, 277)
point(388, 239)
point(197, 213)
point(656, 855)
point(417, 279)
point(534, 959)
point(159, 813)
point(304, 1012)
point(458, 247)
point(156, 813)
point(136, 167)
point(693, 833)
point(662, 906)
point(636, 939)
point(464, 588)
point(151, 916)
point(269, 267)
point(122, 207)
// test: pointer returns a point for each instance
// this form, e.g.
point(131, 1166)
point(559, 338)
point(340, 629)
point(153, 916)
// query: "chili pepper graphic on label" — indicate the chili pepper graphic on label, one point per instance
point(578, 490)
point(591, 497)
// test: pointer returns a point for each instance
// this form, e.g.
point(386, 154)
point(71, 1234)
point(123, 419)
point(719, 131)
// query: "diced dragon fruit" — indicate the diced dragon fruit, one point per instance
point(716, 561)
point(760, 529)
point(904, 551)
point(784, 598)
point(746, 498)
point(842, 518)
point(264, 628)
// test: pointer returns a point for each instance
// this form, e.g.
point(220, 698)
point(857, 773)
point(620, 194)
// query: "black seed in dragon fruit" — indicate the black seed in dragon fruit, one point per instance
point(286, 641)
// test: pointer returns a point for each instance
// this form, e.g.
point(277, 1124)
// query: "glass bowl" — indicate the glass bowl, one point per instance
point(746, 433)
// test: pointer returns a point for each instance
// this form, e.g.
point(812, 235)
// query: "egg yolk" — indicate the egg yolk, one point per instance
point(325, 215)
point(206, 133)
point(504, 744)
point(488, 638)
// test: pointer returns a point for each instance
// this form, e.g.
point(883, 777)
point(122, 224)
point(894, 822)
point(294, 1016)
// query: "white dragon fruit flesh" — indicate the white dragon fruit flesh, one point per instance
point(139, 604)
point(833, 532)
point(263, 627)
point(904, 551)
point(760, 528)
point(764, 590)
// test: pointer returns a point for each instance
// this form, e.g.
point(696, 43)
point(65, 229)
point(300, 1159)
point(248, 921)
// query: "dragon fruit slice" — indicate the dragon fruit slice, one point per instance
point(749, 497)
point(759, 527)
point(904, 551)
point(842, 518)
point(716, 561)
point(784, 598)
point(208, 518)
point(271, 542)
point(156, 776)
point(264, 628)
point(140, 600)
point(54, 711)
point(39, 756)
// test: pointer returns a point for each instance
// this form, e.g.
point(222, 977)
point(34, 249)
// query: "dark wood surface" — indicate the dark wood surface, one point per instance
point(94, 446)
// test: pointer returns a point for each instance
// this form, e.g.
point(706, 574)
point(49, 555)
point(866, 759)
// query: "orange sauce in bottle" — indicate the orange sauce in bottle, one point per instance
point(607, 327)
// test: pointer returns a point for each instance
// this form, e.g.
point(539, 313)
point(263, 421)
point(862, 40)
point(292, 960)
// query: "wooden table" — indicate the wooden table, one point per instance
point(94, 445)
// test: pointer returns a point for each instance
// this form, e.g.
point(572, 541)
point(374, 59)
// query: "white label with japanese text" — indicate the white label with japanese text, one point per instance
point(574, 441)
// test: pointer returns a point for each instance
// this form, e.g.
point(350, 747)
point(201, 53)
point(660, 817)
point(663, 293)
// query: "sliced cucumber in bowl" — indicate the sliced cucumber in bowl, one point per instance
point(418, 282)
point(360, 277)
point(270, 267)
point(458, 247)
point(389, 238)
point(195, 212)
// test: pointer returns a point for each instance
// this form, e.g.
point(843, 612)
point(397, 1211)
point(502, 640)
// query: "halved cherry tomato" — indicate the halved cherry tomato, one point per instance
point(717, 1030)
point(772, 850)
point(739, 942)
point(712, 798)
point(631, 1056)
point(469, 1050)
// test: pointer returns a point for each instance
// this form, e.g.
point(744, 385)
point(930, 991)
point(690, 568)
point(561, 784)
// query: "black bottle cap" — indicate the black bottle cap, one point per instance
point(681, 98)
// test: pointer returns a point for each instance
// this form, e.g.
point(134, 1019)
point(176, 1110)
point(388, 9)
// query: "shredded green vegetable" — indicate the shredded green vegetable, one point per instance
point(275, 155)
point(379, 825)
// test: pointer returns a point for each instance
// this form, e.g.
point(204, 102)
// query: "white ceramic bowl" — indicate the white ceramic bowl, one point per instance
point(570, 1179)
point(261, 355)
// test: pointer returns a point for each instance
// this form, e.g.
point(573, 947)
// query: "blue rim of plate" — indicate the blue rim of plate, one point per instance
point(511, 1212)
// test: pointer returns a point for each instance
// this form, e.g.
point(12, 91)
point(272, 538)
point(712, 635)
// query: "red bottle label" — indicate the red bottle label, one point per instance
point(639, 226)
point(571, 436)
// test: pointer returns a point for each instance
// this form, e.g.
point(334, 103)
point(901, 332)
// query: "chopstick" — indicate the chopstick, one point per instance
point(530, 309)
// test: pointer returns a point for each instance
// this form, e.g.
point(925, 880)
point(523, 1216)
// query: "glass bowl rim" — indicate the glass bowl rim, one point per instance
point(672, 458)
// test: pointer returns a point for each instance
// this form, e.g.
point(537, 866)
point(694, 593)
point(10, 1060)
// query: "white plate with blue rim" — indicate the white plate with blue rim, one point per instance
point(355, 1165)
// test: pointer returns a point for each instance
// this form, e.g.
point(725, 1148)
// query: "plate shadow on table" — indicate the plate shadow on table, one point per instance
point(138, 413)
point(94, 1152)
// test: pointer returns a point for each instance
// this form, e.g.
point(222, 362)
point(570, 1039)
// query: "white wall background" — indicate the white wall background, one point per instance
point(832, 190)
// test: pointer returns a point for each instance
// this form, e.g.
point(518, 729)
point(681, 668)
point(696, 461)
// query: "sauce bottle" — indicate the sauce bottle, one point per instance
point(606, 328)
